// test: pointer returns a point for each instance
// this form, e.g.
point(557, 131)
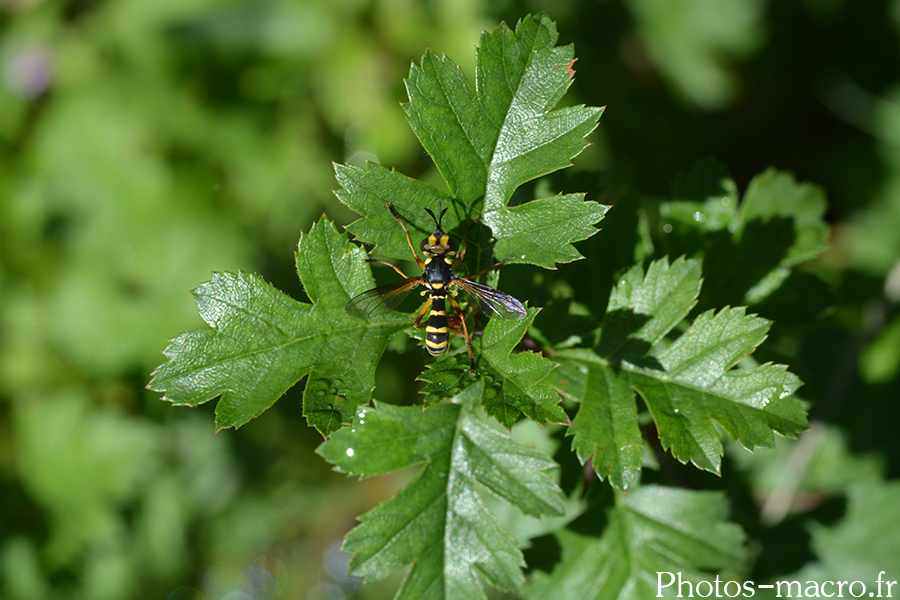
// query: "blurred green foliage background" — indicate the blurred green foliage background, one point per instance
point(145, 144)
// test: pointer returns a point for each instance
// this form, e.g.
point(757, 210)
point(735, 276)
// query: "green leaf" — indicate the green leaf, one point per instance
point(438, 523)
point(262, 341)
point(644, 308)
point(699, 386)
point(523, 76)
point(641, 310)
point(452, 124)
point(368, 191)
point(515, 384)
point(645, 534)
point(539, 232)
point(486, 141)
point(687, 385)
point(606, 426)
point(490, 139)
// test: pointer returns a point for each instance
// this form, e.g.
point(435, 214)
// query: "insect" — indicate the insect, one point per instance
point(441, 259)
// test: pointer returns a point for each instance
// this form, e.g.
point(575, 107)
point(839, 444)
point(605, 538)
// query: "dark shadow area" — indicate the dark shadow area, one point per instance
point(617, 346)
point(556, 323)
point(797, 304)
point(543, 554)
point(573, 475)
point(868, 411)
point(787, 544)
point(731, 267)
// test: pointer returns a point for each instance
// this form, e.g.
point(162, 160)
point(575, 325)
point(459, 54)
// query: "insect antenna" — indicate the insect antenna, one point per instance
point(440, 217)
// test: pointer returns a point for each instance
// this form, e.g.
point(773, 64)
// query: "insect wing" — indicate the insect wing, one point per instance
point(381, 300)
point(492, 302)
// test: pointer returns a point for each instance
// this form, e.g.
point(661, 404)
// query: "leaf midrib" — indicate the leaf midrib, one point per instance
point(285, 345)
point(666, 383)
point(491, 169)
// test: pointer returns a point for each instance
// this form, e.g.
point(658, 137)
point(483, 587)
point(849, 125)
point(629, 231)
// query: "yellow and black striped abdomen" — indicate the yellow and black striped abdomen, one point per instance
point(436, 333)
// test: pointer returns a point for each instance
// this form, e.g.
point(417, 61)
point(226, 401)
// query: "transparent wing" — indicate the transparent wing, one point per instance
point(381, 300)
point(492, 302)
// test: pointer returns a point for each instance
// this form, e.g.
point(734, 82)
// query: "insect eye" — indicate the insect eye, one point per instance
point(424, 246)
point(452, 246)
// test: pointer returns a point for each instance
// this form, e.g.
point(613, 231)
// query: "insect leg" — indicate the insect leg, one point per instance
point(406, 231)
point(462, 251)
point(456, 307)
point(384, 262)
point(422, 311)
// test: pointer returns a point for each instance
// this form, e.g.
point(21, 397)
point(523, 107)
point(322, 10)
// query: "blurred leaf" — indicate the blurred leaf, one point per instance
point(777, 225)
point(880, 361)
point(438, 522)
point(830, 465)
point(623, 550)
point(20, 572)
point(514, 384)
point(858, 546)
point(262, 342)
point(690, 40)
point(105, 239)
point(81, 464)
point(872, 238)
point(772, 195)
